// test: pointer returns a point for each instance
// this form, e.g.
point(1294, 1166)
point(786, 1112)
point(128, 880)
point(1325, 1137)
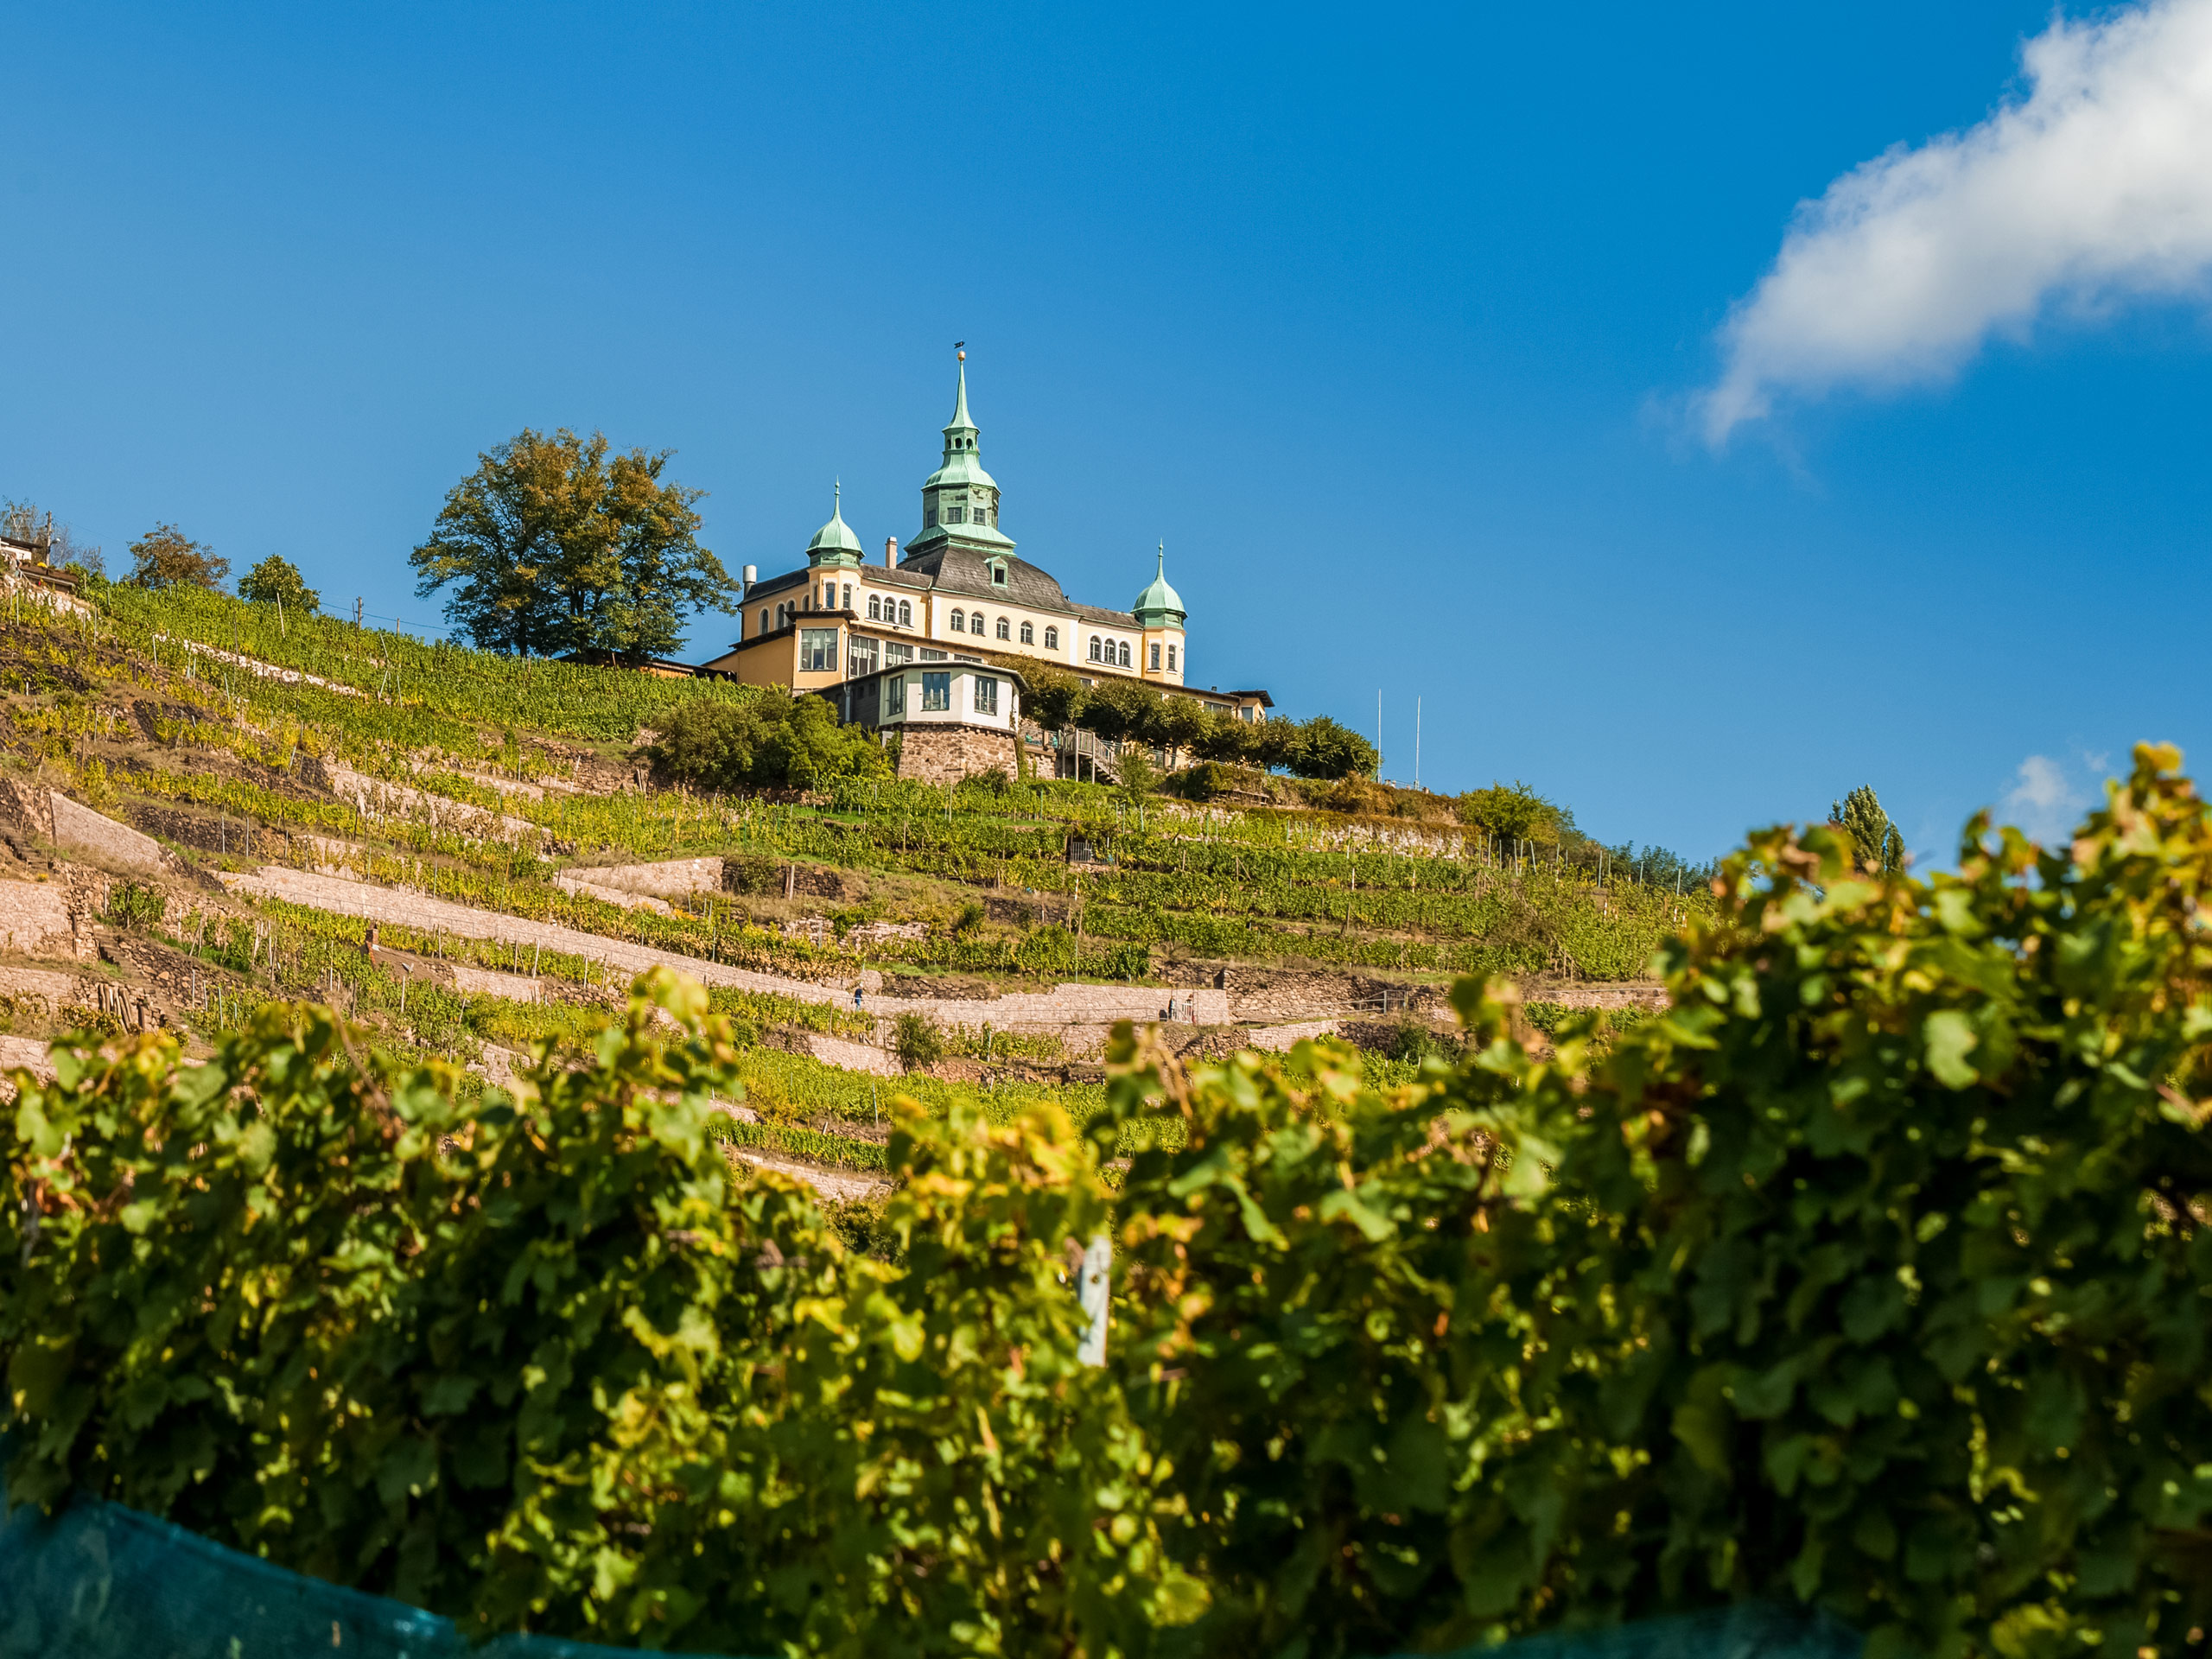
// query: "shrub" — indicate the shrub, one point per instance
point(134, 905)
point(918, 1042)
point(767, 743)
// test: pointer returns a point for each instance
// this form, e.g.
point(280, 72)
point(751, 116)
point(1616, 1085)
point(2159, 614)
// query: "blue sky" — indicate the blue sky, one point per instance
point(1476, 356)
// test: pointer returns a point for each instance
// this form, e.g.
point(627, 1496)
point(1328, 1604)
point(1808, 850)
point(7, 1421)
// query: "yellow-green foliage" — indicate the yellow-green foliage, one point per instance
point(1871, 1279)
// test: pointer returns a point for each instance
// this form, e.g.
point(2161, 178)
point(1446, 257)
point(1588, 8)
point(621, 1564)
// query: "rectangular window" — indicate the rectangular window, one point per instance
point(817, 650)
point(956, 515)
point(894, 696)
point(849, 597)
point(987, 696)
point(895, 651)
point(1171, 660)
point(1155, 660)
point(931, 654)
point(929, 516)
point(860, 658)
point(937, 692)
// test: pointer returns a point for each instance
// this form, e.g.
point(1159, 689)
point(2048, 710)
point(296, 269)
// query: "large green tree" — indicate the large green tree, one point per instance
point(1324, 749)
point(555, 545)
point(278, 581)
point(165, 556)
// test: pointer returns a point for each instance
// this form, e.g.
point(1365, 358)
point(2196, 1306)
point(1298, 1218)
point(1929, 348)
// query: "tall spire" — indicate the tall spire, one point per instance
point(960, 435)
point(960, 500)
point(960, 402)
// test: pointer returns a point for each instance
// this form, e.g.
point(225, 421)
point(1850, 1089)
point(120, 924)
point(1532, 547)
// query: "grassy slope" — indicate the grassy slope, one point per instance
point(122, 714)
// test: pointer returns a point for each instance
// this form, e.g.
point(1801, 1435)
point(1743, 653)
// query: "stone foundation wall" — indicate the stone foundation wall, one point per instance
point(945, 754)
point(35, 919)
point(80, 829)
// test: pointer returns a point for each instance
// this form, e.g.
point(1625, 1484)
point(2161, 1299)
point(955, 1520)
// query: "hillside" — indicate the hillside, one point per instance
point(474, 853)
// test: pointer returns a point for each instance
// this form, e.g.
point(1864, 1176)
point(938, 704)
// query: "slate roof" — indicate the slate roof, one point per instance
point(777, 584)
point(956, 569)
point(965, 573)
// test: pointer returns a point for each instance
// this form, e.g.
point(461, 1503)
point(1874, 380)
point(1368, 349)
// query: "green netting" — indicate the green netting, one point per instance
point(100, 1582)
point(1751, 1631)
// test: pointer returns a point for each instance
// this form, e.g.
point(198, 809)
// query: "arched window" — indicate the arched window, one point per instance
point(1028, 634)
point(960, 621)
point(1125, 653)
point(1006, 629)
point(763, 619)
point(875, 608)
point(905, 614)
point(1052, 638)
point(1093, 649)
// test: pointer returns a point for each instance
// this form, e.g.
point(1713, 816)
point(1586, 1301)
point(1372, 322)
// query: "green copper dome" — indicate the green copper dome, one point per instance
point(837, 536)
point(1159, 606)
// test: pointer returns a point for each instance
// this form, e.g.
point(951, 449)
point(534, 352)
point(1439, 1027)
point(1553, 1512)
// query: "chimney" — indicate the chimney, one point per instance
point(891, 550)
point(751, 575)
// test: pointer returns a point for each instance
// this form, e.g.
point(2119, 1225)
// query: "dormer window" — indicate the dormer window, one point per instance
point(998, 569)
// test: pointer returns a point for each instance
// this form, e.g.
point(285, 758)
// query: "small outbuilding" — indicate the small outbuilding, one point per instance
point(955, 717)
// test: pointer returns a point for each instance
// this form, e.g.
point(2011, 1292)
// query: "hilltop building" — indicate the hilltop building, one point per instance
point(960, 599)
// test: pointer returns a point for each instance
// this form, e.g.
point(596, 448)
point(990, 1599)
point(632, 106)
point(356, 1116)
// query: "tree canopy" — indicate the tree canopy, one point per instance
point(278, 581)
point(1511, 811)
point(556, 545)
point(165, 558)
point(1131, 711)
point(1877, 846)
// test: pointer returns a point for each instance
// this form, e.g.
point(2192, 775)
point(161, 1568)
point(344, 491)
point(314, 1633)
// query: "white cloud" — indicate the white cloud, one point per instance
point(2043, 803)
point(2095, 187)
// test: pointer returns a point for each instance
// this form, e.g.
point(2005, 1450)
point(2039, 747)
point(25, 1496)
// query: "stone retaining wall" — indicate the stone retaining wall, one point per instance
point(487, 982)
point(609, 895)
point(35, 919)
point(669, 878)
point(945, 754)
point(80, 829)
